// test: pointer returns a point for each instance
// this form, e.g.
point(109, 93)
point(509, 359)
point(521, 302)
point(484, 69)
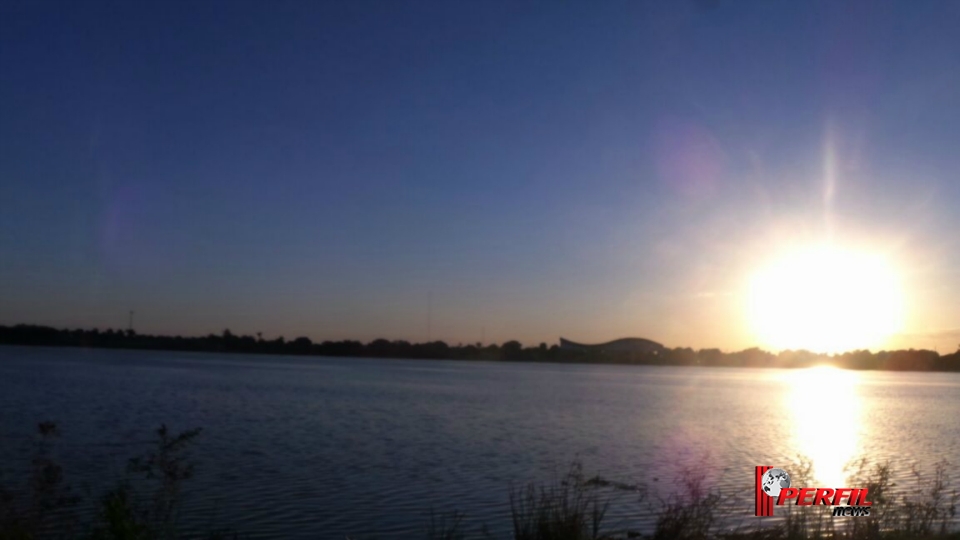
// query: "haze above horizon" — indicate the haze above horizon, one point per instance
point(704, 174)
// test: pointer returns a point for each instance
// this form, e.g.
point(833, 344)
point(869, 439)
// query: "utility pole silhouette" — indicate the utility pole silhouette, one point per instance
point(429, 315)
point(130, 322)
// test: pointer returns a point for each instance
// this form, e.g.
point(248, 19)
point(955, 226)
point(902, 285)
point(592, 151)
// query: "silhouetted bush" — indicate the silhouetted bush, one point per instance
point(569, 509)
point(143, 507)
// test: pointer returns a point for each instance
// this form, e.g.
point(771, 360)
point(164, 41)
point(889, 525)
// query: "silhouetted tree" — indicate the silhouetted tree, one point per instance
point(301, 345)
point(511, 350)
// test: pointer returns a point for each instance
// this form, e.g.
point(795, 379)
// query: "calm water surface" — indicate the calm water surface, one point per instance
point(324, 447)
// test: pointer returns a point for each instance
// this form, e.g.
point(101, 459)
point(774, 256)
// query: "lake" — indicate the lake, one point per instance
point(304, 447)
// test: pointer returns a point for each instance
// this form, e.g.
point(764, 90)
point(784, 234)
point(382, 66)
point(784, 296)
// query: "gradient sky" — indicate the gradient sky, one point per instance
point(531, 169)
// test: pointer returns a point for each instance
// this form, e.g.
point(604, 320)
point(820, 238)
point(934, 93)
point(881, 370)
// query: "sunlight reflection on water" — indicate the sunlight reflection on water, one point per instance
point(309, 447)
point(825, 408)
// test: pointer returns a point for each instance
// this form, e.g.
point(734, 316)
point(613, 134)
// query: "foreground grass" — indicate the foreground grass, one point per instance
point(146, 505)
point(143, 506)
point(574, 509)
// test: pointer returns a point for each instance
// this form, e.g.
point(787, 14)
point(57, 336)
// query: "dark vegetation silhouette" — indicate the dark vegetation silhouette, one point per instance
point(147, 505)
point(143, 505)
point(510, 351)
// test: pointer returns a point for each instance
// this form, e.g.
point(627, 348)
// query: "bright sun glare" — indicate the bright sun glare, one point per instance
point(825, 299)
point(830, 446)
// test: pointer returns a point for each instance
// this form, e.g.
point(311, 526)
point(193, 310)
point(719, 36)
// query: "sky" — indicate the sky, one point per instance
point(469, 171)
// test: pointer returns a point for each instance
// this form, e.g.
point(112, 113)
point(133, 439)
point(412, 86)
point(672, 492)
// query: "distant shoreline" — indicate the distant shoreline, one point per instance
point(510, 351)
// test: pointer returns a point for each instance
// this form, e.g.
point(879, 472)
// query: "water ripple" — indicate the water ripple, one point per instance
point(306, 448)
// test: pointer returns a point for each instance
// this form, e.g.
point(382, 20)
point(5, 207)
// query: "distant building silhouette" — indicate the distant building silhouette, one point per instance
point(624, 345)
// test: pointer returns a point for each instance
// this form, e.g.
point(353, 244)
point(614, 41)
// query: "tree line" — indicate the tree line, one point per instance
point(228, 342)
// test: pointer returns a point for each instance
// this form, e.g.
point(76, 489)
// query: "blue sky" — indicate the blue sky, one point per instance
point(529, 169)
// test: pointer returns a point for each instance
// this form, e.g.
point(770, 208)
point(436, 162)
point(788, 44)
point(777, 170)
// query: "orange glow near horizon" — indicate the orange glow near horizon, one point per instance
point(825, 299)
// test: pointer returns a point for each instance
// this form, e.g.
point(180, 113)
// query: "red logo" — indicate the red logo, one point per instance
point(773, 489)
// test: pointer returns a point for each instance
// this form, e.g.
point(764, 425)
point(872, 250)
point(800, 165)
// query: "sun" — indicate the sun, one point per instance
point(825, 299)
